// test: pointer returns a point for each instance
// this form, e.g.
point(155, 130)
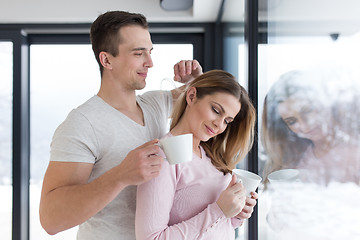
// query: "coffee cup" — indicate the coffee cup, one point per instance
point(177, 149)
point(284, 175)
point(250, 180)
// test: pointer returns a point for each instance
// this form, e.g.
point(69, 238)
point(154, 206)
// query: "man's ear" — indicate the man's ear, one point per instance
point(191, 95)
point(105, 60)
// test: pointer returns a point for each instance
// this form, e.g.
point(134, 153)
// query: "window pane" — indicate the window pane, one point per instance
point(234, 63)
point(6, 76)
point(311, 123)
point(59, 83)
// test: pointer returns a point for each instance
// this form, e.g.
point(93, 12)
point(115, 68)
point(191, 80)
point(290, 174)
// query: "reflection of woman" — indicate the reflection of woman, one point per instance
point(200, 199)
point(306, 125)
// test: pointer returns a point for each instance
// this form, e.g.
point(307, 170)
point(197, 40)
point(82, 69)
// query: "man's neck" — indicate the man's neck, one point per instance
point(123, 100)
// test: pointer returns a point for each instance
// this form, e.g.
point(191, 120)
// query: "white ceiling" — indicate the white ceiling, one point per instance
point(85, 11)
point(312, 15)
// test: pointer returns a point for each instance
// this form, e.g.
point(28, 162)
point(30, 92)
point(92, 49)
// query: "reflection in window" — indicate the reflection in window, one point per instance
point(311, 126)
point(6, 76)
point(60, 83)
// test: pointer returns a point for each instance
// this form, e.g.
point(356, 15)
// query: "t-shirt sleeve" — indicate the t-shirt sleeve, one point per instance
point(74, 140)
point(153, 206)
point(162, 101)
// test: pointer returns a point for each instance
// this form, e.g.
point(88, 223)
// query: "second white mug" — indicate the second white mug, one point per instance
point(250, 180)
point(178, 149)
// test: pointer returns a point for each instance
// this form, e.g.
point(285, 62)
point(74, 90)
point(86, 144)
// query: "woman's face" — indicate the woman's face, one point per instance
point(210, 115)
point(305, 118)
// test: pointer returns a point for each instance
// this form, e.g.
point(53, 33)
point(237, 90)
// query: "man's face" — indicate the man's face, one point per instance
point(131, 65)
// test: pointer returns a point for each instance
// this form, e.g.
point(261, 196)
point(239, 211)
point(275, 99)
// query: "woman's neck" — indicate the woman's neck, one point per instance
point(321, 148)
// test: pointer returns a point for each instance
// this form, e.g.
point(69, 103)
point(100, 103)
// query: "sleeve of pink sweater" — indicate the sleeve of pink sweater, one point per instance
point(153, 207)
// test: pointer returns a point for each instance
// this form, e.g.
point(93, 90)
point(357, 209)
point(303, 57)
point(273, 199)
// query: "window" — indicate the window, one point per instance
point(327, 58)
point(323, 51)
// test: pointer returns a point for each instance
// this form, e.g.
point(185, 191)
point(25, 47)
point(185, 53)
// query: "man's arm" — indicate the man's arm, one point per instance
point(185, 71)
point(67, 199)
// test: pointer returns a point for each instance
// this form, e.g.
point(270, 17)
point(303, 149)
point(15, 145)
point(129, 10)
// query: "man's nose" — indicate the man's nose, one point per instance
point(149, 63)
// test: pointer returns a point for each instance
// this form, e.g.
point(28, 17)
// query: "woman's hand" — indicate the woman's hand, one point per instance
point(249, 206)
point(232, 199)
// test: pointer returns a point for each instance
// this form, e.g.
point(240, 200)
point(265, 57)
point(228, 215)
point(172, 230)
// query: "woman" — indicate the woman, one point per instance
point(309, 122)
point(200, 199)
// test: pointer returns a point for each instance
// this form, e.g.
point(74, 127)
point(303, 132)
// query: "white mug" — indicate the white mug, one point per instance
point(250, 180)
point(284, 175)
point(178, 149)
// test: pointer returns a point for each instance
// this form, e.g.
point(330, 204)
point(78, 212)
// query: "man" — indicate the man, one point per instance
point(107, 146)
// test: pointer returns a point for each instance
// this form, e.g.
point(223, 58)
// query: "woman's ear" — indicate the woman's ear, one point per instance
point(104, 60)
point(191, 95)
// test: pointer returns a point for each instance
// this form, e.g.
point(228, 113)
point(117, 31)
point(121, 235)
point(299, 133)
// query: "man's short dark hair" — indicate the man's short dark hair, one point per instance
point(104, 32)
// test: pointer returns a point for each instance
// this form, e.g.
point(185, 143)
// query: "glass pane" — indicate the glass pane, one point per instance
point(59, 83)
point(234, 63)
point(6, 76)
point(308, 73)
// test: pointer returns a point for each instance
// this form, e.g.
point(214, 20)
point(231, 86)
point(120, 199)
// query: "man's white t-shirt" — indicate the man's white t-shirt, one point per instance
point(99, 134)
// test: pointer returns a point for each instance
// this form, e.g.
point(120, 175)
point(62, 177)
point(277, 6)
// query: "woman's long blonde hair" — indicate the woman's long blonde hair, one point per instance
point(230, 147)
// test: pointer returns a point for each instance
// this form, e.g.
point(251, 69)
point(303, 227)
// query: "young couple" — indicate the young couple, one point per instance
point(107, 146)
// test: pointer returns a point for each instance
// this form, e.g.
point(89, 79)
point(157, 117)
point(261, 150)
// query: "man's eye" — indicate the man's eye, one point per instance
point(138, 54)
